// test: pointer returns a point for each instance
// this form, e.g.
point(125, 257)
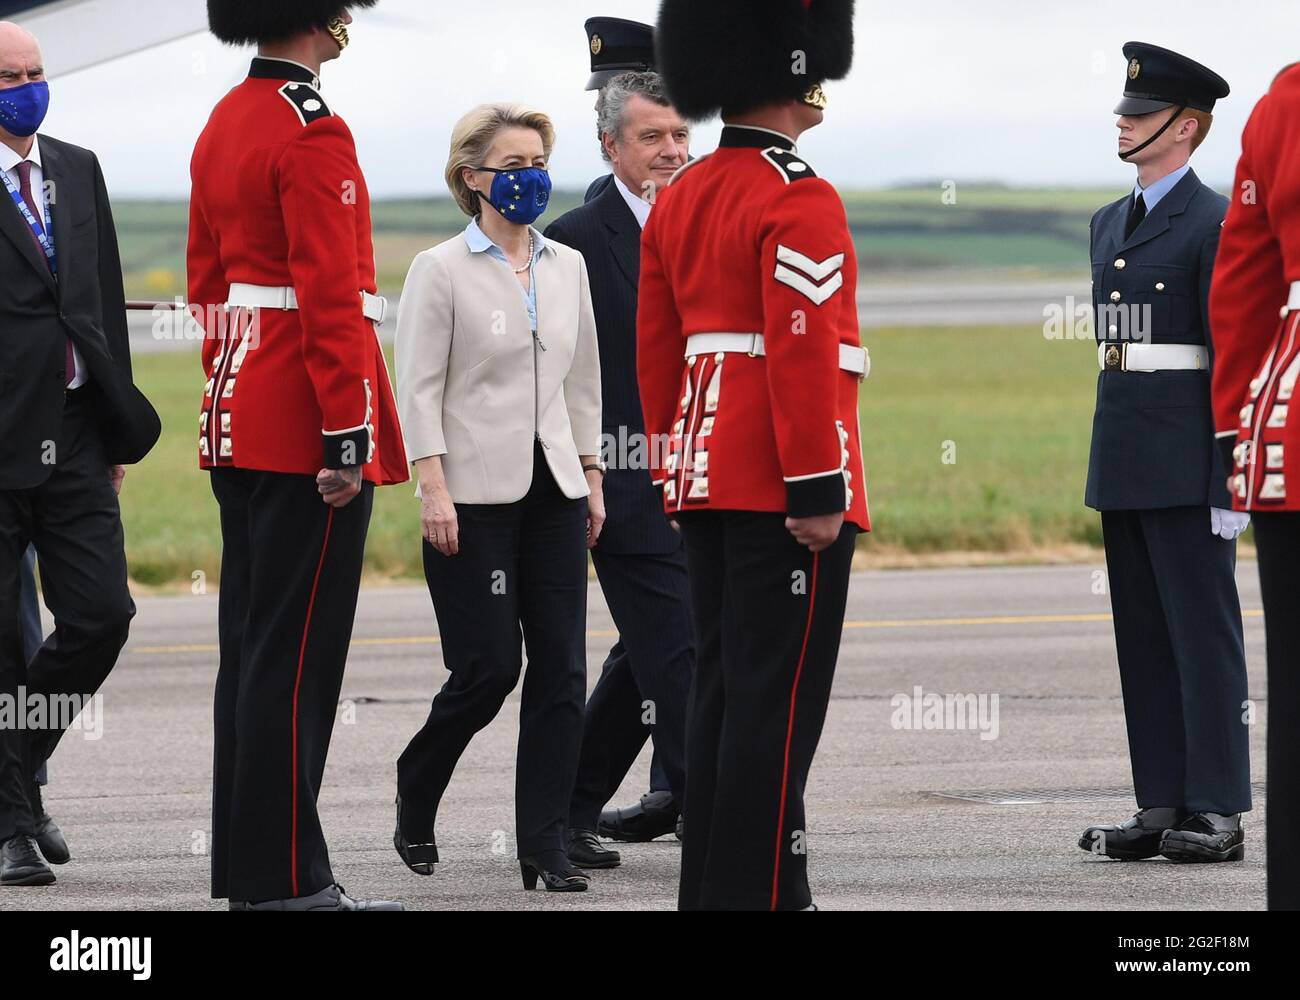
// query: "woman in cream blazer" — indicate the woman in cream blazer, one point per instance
point(498, 382)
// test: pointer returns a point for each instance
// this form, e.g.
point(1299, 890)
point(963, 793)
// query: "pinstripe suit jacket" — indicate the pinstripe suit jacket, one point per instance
point(607, 234)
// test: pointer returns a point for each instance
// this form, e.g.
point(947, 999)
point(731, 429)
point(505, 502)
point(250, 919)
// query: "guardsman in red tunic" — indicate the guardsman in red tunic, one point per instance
point(749, 365)
point(1256, 280)
point(297, 427)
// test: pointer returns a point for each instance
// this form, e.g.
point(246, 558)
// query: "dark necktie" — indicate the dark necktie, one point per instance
point(1136, 213)
point(38, 213)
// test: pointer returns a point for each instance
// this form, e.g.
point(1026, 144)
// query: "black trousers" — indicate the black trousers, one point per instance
point(520, 574)
point(1182, 660)
point(290, 572)
point(74, 520)
point(768, 618)
point(650, 665)
point(29, 619)
point(1277, 537)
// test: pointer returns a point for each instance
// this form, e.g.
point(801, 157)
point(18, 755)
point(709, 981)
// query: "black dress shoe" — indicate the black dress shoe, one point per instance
point(586, 851)
point(330, 898)
point(566, 879)
point(420, 858)
point(21, 863)
point(1206, 837)
point(49, 838)
point(1136, 839)
point(655, 815)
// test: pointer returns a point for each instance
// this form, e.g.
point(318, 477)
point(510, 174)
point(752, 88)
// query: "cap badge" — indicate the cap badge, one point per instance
point(1134, 68)
point(597, 43)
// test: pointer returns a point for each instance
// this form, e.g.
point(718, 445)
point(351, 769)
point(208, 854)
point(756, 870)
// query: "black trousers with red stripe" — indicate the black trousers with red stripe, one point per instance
point(768, 618)
point(1277, 536)
point(290, 572)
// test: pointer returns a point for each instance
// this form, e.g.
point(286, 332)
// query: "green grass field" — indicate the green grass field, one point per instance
point(1012, 409)
point(1025, 231)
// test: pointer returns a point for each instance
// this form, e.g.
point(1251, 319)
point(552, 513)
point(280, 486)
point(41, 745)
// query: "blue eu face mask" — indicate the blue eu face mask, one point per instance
point(519, 195)
point(22, 109)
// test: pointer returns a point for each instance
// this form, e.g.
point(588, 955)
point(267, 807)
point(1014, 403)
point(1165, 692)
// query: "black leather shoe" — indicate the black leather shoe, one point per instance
point(1136, 839)
point(1206, 837)
point(420, 858)
point(568, 880)
point(586, 851)
point(330, 898)
point(655, 815)
point(49, 838)
point(21, 863)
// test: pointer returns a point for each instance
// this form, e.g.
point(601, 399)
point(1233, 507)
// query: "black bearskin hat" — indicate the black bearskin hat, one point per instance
point(244, 22)
point(736, 55)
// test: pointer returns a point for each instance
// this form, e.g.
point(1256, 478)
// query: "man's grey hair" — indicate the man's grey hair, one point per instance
point(611, 105)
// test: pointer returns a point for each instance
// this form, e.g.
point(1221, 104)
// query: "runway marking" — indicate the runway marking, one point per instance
point(425, 640)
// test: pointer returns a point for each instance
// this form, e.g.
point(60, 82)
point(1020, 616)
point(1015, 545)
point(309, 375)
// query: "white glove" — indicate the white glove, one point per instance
point(1228, 524)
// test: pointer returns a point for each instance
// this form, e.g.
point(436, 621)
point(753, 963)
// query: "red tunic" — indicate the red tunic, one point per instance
point(279, 200)
point(1257, 358)
point(749, 240)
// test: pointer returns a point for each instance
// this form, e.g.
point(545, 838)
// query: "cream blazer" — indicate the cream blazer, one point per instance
point(475, 387)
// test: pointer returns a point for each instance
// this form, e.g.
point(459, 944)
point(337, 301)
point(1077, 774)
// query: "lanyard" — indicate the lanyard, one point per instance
point(41, 237)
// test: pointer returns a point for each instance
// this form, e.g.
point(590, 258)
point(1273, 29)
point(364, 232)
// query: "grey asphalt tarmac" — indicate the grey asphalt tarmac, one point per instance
point(898, 818)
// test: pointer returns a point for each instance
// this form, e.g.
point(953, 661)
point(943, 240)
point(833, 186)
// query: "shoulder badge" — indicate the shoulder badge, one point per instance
point(306, 102)
point(789, 165)
point(687, 166)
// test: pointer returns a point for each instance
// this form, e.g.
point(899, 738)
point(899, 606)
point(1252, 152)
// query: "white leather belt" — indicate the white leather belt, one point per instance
point(1131, 357)
point(1294, 301)
point(373, 307)
point(854, 360)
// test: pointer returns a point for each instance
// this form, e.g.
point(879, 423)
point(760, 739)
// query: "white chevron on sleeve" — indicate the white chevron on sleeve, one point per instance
point(817, 270)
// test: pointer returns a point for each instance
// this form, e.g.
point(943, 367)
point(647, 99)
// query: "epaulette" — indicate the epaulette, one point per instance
point(306, 101)
point(1284, 70)
point(687, 166)
point(790, 166)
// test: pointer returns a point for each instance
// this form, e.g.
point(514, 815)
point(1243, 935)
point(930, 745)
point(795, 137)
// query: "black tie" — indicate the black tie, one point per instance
point(1136, 214)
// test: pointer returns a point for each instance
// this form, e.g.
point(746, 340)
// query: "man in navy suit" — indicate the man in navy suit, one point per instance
point(639, 560)
point(1158, 480)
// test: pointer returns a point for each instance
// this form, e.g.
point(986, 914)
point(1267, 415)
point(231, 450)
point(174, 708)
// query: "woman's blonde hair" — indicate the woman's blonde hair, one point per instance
point(474, 134)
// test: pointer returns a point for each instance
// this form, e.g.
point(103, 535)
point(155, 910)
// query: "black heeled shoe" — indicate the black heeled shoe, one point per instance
point(420, 858)
point(569, 880)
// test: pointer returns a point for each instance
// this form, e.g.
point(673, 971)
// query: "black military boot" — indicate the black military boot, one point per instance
point(1136, 839)
point(330, 898)
point(655, 815)
point(1206, 837)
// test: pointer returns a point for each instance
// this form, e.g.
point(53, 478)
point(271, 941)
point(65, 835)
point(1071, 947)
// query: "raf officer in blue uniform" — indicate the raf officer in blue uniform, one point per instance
point(617, 46)
point(1157, 479)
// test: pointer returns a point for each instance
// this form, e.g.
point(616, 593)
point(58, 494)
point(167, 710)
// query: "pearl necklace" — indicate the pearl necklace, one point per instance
point(529, 262)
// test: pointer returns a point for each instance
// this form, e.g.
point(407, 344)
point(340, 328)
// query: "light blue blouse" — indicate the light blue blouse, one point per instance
point(479, 242)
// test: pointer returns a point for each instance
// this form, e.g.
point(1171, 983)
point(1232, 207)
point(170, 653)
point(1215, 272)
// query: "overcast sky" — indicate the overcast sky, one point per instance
point(1007, 90)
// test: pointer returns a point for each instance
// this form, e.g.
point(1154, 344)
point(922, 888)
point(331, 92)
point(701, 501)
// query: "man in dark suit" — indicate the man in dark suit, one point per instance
point(1158, 479)
point(70, 419)
point(639, 561)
